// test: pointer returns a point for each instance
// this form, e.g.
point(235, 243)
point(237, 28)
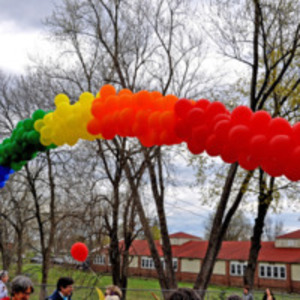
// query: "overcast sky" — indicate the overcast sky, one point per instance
point(21, 35)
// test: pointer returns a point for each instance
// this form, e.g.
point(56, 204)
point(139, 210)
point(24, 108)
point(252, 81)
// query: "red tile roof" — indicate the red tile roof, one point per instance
point(230, 250)
point(290, 235)
point(183, 235)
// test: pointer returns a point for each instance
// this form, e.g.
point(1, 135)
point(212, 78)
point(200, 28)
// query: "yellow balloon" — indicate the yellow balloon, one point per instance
point(38, 125)
point(58, 140)
point(86, 97)
point(61, 98)
point(100, 294)
point(48, 119)
point(72, 121)
point(46, 132)
point(45, 142)
point(63, 109)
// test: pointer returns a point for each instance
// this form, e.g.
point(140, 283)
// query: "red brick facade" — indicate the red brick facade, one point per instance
point(270, 257)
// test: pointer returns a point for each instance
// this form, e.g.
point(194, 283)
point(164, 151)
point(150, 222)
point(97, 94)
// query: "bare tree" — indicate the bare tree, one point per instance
point(239, 228)
point(234, 39)
point(18, 215)
point(135, 45)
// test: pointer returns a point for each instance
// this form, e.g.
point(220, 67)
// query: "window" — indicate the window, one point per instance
point(147, 263)
point(275, 272)
point(232, 269)
point(282, 273)
point(99, 260)
point(175, 264)
point(272, 271)
point(237, 268)
point(262, 271)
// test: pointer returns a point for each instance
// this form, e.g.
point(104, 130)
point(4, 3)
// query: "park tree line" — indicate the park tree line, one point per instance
point(116, 188)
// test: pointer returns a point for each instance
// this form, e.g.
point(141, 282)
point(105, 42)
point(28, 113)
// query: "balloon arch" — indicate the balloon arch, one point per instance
point(253, 139)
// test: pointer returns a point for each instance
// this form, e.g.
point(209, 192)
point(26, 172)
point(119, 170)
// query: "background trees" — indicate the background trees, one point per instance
point(103, 186)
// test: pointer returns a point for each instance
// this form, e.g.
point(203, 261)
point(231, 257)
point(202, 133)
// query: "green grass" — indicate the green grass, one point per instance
point(138, 288)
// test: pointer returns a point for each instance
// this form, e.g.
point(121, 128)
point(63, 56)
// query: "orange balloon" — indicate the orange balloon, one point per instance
point(107, 90)
point(98, 110)
point(143, 99)
point(108, 128)
point(125, 92)
point(94, 126)
point(167, 120)
point(154, 121)
point(170, 101)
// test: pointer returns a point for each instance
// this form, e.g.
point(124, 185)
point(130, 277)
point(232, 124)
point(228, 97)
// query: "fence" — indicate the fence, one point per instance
point(90, 293)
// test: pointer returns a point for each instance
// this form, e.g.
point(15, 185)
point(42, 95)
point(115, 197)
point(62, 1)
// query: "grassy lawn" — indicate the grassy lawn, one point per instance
point(138, 288)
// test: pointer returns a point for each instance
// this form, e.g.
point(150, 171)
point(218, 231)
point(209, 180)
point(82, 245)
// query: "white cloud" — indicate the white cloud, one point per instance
point(18, 45)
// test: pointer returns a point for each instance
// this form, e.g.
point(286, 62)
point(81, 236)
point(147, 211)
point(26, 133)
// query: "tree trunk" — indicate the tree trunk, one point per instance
point(219, 229)
point(263, 206)
point(214, 245)
point(157, 186)
point(19, 251)
point(115, 258)
point(5, 252)
point(45, 270)
point(164, 284)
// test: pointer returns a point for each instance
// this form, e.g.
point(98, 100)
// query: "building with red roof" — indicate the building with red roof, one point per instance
point(278, 262)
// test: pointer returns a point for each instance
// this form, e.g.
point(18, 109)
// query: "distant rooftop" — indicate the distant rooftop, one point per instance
point(290, 235)
point(183, 235)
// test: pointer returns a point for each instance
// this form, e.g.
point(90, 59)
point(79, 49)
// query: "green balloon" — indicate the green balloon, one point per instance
point(28, 124)
point(16, 166)
point(19, 125)
point(38, 114)
point(6, 141)
point(34, 137)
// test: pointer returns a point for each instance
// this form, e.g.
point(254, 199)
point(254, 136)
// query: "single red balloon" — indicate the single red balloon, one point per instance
point(79, 251)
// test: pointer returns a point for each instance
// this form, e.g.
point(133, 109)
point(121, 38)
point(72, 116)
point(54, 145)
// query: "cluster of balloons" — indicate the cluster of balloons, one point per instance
point(23, 144)
point(148, 116)
point(79, 251)
point(67, 123)
point(252, 139)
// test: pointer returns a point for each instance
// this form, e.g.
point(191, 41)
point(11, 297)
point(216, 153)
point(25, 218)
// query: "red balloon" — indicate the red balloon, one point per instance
point(272, 167)
point(280, 147)
point(196, 116)
point(202, 103)
point(258, 146)
point(221, 130)
point(79, 251)
point(292, 171)
point(279, 126)
point(182, 107)
point(199, 135)
point(229, 154)
point(213, 146)
point(239, 136)
point(182, 130)
point(241, 115)
point(195, 147)
point(259, 122)
point(214, 109)
point(247, 162)
point(296, 133)
point(217, 118)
